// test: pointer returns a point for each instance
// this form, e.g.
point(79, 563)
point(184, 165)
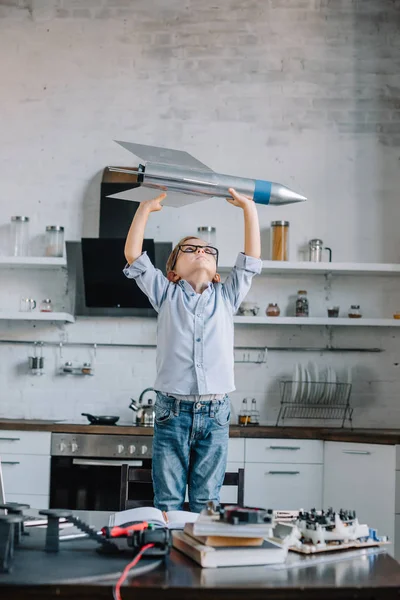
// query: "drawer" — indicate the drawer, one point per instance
point(397, 538)
point(236, 450)
point(24, 474)
point(25, 442)
point(40, 501)
point(284, 451)
point(283, 486)
point(398, 457)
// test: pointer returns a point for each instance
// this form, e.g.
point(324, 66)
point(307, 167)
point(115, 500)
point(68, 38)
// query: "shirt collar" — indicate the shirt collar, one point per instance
point(188, 288)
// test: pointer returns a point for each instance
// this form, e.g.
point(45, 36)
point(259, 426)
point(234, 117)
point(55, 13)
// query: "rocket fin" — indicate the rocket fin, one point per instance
point(166, 156)
point(175, 199)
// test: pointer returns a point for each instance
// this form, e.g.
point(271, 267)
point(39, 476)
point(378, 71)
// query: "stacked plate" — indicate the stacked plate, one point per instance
point(313, 384)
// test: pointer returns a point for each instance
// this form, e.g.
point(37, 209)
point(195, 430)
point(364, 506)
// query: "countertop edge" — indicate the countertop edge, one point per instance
point(368, 436)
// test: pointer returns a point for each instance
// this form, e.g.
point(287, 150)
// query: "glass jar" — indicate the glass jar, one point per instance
point(54, 240)
point(280, 240)
point(19, 236)
point(46, 305)
point(355, 312)
point(208, 234)
point(272, 310)
point(302, 304)
point(244, 415)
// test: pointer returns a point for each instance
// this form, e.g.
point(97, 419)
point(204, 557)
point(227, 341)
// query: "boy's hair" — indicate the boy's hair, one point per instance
point(174, 254)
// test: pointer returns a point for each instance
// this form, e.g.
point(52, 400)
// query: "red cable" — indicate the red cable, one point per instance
point(128, 567)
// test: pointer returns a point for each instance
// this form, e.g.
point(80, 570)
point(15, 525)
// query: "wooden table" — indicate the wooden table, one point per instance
point(78, 571)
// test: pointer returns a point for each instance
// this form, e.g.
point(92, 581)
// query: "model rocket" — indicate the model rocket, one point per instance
point(187, 180)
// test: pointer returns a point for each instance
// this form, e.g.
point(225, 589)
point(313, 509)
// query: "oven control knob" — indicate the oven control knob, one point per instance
point(120, 448)
point(132, 449)
point(62, 446)
point(144, 449)
point(74, 446)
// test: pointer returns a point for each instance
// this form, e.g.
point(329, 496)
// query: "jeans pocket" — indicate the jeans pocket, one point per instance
point(162, 414)
point(223, 413)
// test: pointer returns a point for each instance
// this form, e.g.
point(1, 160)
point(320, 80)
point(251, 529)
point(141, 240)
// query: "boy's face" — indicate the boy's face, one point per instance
point(188, 263)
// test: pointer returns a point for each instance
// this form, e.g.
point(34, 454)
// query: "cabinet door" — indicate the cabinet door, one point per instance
point(34, 501)
point(25, 442)
point(24, 474)
point(283, 486)
point(362, 477)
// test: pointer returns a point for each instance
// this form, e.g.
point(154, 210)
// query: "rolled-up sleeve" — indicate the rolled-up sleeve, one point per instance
point(238, 282)
point(150, 280)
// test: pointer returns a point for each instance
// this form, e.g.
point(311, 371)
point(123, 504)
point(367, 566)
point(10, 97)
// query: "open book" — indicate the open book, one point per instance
point(173, 519)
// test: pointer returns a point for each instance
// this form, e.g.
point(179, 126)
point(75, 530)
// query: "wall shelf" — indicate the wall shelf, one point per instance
point(324, 268)
point(336, 322)
point(36, 316)
point(37, 262)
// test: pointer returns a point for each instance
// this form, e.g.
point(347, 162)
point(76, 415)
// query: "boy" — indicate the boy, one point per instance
point(194, 355)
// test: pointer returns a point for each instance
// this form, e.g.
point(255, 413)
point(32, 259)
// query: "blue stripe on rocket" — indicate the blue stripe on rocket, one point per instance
point(262, 192)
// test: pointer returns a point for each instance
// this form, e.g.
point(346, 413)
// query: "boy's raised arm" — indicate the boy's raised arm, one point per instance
point(134, 239)
point(252, 238)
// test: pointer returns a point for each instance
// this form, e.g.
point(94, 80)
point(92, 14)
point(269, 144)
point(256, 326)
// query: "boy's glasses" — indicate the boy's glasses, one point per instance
point(191, 248)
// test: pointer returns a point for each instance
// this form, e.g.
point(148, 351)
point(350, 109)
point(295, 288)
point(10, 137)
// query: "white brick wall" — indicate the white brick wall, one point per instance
point(305, 92)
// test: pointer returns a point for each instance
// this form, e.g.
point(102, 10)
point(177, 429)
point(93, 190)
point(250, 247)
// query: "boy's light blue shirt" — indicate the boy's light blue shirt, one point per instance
point(194, 331)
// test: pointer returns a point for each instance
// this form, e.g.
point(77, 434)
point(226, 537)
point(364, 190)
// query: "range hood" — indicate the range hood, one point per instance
point(95, 264)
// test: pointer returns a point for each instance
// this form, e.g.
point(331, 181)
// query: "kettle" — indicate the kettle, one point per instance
point(144, 412)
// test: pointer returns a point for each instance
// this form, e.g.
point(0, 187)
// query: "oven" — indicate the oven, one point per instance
point(86, 470)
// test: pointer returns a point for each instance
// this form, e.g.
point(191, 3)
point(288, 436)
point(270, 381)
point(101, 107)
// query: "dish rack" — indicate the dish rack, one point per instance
point(324, 401)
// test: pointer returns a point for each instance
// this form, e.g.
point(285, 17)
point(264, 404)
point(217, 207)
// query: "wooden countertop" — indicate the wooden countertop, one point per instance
point(368, 436)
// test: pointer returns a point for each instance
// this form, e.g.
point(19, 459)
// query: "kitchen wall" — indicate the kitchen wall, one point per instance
point(304, 92)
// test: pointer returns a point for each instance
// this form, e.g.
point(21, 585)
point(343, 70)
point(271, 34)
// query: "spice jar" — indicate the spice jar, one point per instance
point(302, 304)
point(272, 310)
point(244, 415)
point(54, 240)
point(280, 240)
point(46, 305)
point(354, 312)
point(19, 236)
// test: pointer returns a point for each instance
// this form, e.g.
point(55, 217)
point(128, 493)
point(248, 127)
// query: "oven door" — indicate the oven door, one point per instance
point(94, 483)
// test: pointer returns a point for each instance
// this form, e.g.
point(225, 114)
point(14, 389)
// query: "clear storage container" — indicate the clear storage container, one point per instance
point(54, 240)
point(280, 240)
point(208, 234)
point(20, 236)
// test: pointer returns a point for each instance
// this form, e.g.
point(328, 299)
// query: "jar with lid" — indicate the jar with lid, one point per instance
point(244, 415)
point(54, 240)
point(208, 234)
point(280, 240)
point(302, 309)
point(20, 236)
point(46, 305)
point(272, 310)
point(355, 312)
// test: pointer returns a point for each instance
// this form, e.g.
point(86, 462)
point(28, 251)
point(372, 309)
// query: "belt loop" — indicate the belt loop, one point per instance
point(212, 408)
point(176, 407)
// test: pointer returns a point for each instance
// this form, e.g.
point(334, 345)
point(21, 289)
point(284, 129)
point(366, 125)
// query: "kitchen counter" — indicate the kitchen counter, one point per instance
point(368, 436)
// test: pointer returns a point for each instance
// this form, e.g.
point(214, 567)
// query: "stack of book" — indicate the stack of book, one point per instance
point(217, 544)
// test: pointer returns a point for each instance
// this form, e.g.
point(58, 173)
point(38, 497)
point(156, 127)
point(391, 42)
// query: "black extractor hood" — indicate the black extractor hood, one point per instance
point(95, 264)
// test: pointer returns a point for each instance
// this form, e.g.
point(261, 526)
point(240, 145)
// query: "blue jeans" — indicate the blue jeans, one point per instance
point(190, 446)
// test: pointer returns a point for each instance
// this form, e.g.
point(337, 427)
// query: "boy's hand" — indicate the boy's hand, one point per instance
point(154, 204)
point(239, 199)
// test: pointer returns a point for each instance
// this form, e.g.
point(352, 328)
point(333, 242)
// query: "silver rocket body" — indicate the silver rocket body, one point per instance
point(187, 180)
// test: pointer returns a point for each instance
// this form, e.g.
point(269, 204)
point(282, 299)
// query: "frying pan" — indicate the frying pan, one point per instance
point(101, 420)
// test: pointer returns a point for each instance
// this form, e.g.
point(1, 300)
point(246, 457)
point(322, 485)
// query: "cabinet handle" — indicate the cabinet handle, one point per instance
point(283, 447)
point(10, 462)
point(283, 473)
point(356, 452)
point(7, 439)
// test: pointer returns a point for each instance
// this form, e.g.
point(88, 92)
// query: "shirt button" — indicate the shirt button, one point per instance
point(199, 364)
point(198, 315)
point(198, 340)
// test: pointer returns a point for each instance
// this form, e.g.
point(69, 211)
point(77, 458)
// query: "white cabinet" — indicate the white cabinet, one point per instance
point(283, 474)
point(236, 450)
point(25, 465)
point(362, 477)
